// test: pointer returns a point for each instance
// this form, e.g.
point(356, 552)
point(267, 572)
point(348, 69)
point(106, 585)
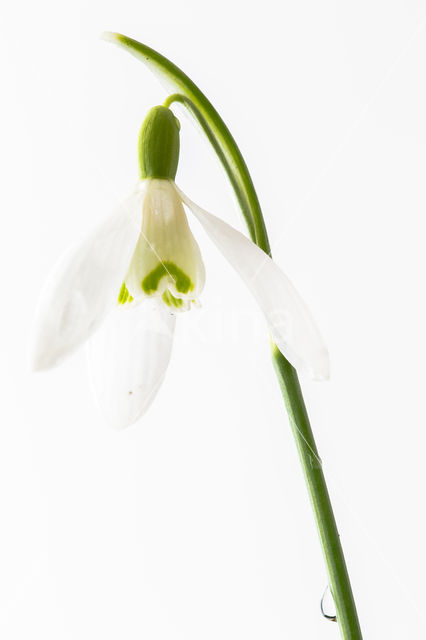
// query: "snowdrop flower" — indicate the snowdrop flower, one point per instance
point(121, 288)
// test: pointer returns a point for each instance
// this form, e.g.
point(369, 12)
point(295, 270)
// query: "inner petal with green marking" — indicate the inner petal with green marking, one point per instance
point(124, 295)
point(167, 261)
point(175, 303)
point(169, 270)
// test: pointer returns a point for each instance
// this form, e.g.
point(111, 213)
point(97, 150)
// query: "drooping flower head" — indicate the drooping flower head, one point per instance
point(166, 261)
point(121, 288)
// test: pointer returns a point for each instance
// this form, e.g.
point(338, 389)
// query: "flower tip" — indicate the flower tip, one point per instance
point(320, 371)
point(111, 36)
point(119, 426)
point(42, 352)
point(39, 360)
point(119, 420)
point(36, 365)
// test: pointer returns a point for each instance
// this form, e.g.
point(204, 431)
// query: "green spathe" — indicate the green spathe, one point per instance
point(159, 144)
point(181, 280)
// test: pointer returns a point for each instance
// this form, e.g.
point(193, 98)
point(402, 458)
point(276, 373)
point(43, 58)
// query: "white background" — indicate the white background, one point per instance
point(194, 523)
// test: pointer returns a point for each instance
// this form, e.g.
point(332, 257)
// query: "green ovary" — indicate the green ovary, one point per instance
point(124, 295)
point(181, 281)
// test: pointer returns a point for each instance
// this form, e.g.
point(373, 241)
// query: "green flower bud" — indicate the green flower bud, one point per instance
point(159, 144)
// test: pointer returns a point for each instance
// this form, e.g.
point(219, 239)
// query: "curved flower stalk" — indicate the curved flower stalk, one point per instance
point(146, 253)
point(213, 126)
point(232, 161)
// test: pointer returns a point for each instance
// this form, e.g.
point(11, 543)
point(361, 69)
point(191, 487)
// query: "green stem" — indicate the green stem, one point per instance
point(340, 585)
point(233, 162)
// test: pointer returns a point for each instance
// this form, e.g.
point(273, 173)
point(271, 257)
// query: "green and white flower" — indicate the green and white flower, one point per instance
point(122, 287)
point(166, 261)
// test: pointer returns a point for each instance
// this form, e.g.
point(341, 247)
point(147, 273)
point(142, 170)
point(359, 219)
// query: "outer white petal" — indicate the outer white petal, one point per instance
point(128, 358)
point(84, 285)
point(290, 322)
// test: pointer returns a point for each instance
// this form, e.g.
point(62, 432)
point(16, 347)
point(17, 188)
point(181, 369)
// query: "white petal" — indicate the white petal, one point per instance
point(290, 322)
point(84, 285)
point(128, 358)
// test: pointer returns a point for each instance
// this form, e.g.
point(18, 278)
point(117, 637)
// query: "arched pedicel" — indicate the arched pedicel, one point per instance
point(213, 126)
